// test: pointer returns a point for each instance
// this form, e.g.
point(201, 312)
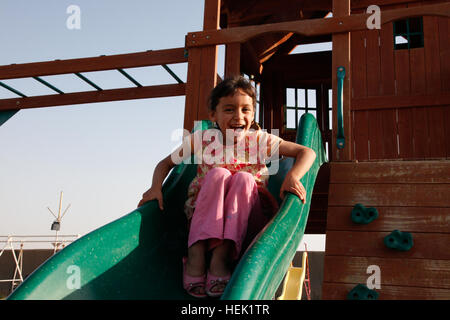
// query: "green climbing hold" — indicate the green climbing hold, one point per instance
point(361, 292)
point(402, 241)
point(363, 215)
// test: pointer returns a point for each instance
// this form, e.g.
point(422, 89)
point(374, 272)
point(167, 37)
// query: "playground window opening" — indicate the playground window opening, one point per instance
point(408, 33)
point(298, 102)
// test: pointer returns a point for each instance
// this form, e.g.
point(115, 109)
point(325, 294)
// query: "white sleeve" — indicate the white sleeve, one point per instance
point(268, 145)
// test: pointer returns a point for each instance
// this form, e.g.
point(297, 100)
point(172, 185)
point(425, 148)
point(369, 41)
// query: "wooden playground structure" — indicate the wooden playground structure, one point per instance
point(381, 98)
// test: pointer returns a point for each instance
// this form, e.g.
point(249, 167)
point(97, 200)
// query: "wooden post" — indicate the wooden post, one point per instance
point(233, 59)
point(267, 101)
point(278, 101)
point(341, 57)
point(202, 70)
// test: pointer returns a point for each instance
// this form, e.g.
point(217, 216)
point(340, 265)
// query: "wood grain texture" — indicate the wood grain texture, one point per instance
point(391, 172)
point(339, 291)
point(192, 88)
point(432, 55)
point(396, 194)
point(400, 102)
point(410, 196)
point(405, 131)
point(310, 27)
point(373, 63)
point(436, 132)
point(359, 64)
point(128, 60)
point(432, 246)
point(402, 73)
point(52, 100)
point(444, 45)
point(387, 60)
point(418, 71)
point(394, 271)
point(411, 219)
point(361, 134)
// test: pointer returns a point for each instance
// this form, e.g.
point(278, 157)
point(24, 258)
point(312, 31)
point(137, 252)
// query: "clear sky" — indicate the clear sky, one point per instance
point(100, 155)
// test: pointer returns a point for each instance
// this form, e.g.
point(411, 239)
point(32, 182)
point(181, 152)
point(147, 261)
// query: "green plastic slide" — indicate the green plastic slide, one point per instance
point(139, 255)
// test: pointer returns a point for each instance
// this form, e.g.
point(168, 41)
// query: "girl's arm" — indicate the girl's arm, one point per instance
point(162, 169)
point(304, 158)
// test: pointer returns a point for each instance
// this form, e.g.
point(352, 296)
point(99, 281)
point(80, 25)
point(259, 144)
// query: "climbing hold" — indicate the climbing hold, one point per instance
point(402, 241)
point(361, 292)
point(363, 215)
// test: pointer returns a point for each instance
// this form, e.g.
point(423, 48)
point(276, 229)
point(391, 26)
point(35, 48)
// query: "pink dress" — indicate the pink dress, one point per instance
point(230, 187)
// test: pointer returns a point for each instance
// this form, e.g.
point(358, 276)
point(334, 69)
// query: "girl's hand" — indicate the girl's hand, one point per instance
point(293, 185)
point(152, 194)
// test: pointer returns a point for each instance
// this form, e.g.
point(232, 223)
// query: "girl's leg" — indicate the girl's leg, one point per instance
point(196, 262)
point(221, 258)
point(194, 270)
point(242, 195)
point(207, 221)
point(240, 199)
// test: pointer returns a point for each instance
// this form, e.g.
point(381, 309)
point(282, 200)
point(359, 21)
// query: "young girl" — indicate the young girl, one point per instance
point(230, 187)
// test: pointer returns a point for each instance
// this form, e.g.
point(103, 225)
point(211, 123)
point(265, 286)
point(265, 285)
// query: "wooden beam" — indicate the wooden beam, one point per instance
point(250, 61)
point(269, 11)
point(52, 100)
point(192, 88)
point(202, 70)
point(311, 27)
point(317, 5)
point(302, 66)
point(363, 4)
point(341, 57)
point(272, 49)
point(211, 15)
point(130, 60)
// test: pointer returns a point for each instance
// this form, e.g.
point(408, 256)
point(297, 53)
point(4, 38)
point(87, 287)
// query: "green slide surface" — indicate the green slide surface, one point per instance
point(138, 256)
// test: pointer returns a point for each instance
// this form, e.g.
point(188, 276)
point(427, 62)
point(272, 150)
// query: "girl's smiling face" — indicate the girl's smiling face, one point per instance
point(234, 112)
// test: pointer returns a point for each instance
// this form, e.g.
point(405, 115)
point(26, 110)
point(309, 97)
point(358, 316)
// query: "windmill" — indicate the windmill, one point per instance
point(56, 225)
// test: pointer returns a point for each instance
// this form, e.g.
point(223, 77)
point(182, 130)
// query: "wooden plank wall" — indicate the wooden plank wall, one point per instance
point(410, 196)
point(401, 98)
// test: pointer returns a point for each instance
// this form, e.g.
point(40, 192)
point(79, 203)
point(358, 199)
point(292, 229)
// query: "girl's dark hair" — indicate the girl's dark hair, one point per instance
point(228, 87)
